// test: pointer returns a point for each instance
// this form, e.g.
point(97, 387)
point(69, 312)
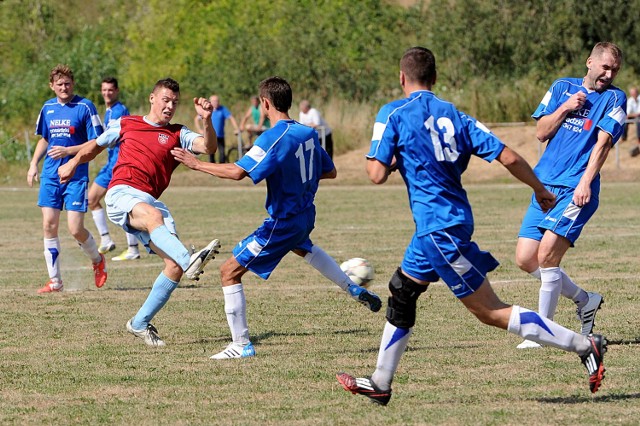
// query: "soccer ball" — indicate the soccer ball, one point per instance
point(359, 270)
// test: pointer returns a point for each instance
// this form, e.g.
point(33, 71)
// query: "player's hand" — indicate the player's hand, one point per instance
point(203, 107)
point(185, 157)
point(546, 199)
point(582, 194)
point(32, 174)
point(66, 172)
point(576, 101)
point(58, 152)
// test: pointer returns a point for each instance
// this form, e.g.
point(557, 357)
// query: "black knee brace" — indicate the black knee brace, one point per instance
point(401, 309)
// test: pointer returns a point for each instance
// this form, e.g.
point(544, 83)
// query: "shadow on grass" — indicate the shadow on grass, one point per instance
point(635, 341)
point(586, 398)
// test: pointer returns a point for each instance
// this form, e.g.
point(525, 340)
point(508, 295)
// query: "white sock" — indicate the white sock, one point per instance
point(535, 274)
point(392, 346)
point(549, 291)
point(90, 248)
point(328, 267)
point(51, 255)
point(132, 244)
point(532, 326)
point(100, 220)
point(572, 291)
point(235, 306)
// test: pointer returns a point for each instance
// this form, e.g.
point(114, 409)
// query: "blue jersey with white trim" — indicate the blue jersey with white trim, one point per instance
point(567, 154)
point(112, 113)
point(432, 143)
point(70, 124)
point(291, 159)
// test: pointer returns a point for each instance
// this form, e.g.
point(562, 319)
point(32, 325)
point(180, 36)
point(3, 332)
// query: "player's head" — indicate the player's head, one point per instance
point(603, 66)
point(255, 101)
point(278, 92)
point(61, 82)
point(109, 90)
point(633, 92)
point(305, 106)
point(164, 100)
point(418, 65)
point(215, 101)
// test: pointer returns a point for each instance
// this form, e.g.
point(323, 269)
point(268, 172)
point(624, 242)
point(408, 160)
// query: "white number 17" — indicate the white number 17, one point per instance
point(308, 146)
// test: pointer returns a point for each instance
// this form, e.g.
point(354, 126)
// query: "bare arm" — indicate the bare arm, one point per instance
point(88, 152)
point(234, 123)
point(329, 175)
point(57, 152)
point(548, 125)
point(582, 194)
point(224, 170)
point(243, 122)
point(38, 153)
point(378, 172)
point(208, 143)
point(197, 124)
point(521, 170)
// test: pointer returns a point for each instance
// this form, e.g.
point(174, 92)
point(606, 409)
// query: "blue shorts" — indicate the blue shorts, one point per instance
point(565, 219)
point(72, 196)
point(261, 251)
point(449, 254)
point(121, 199)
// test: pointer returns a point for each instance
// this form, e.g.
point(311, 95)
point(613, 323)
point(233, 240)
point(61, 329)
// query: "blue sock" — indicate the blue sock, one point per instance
point(159, 295)
point(171, 245)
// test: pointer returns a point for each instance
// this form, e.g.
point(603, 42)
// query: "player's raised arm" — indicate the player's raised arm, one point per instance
point(208, 143)
point(223, 170)
point(521, 170)
point(548, 125)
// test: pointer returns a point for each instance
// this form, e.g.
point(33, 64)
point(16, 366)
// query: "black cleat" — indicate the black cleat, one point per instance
point(592, 360)
point(364, 386)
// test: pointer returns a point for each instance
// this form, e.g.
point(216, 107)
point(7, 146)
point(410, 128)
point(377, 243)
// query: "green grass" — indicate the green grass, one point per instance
point(67, 359)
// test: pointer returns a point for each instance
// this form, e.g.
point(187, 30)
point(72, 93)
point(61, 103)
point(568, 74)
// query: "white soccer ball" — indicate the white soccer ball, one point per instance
point(359, 270)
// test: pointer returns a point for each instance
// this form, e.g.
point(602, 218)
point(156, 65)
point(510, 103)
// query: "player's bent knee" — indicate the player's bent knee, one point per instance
point(401, 309)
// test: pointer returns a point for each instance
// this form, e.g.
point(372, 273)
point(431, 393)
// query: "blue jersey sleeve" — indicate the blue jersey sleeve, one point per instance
point(484, 144)
point(257, 162)
point(550, 102)
point(615, 117)
point(384, 138)
point(92, 121)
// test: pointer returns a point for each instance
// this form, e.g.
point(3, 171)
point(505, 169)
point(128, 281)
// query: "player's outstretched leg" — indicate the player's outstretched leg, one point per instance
point(149, 334)
point(200, 259)
point(364, 386)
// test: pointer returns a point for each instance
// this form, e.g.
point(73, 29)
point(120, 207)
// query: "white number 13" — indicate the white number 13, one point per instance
point(308, 146)
point(448, 150)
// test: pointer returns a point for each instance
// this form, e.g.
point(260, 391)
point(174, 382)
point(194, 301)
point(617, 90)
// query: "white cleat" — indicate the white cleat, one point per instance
point(529, 344)
point(200, 259)
point(235, 350)
point(149, 335)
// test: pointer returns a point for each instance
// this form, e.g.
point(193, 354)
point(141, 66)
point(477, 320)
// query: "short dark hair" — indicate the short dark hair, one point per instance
point(278, 91)
point(419, 65)
point(111, 80)
point(600, 47)
point(167, 83)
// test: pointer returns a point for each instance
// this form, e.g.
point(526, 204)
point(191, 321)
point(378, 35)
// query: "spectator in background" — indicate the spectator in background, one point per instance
point(311, 117)
point(254, 121)
point(633, 112)
point(66, 123)
point(219, 116)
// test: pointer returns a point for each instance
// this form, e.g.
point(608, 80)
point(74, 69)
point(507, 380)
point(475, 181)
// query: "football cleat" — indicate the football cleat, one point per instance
point(107, 248)
point(200, 259)
point(126, 255)
point(100, 272)
point(149, 334)
point(234, 351)
point(592, 360)
point(364, 386)
point(54, 285)
point(587, 314)
point(366, 297)
point(528, 344)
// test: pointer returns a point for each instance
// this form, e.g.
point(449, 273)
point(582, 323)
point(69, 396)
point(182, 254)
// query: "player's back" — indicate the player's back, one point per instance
point(290, 158)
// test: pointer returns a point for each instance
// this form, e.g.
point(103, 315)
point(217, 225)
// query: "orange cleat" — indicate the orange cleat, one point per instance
point(100, 271)
point(52, 286)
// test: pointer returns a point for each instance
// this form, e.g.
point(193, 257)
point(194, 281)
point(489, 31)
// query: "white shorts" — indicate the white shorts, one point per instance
point(121, 199)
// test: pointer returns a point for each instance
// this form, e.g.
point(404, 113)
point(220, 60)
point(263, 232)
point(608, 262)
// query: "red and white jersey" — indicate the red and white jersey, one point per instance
point(145, 161)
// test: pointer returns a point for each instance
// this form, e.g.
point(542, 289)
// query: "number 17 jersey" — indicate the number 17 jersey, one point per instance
point(432, 143)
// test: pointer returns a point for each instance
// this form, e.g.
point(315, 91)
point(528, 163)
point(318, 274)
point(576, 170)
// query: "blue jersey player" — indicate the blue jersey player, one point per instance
point(290, 158)
point(581, 119)
point(430, 143)
point(115, 109)
point(65, 124)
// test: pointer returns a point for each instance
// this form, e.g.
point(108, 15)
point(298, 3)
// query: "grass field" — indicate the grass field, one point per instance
point(67, 359)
